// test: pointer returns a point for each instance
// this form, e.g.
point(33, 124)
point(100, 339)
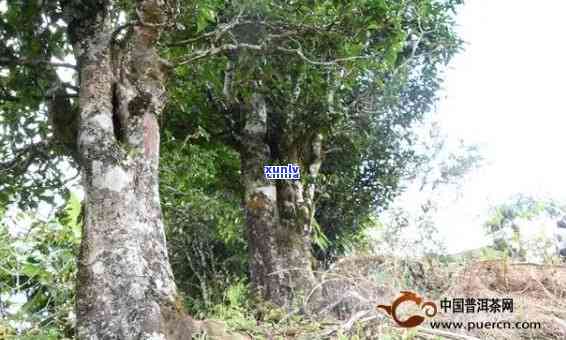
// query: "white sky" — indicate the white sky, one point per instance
point(506, 92)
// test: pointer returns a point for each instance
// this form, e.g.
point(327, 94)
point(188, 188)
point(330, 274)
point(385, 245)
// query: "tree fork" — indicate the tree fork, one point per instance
point(278, 215)
point(125, 287)
point(296, 213)
point(260, 205)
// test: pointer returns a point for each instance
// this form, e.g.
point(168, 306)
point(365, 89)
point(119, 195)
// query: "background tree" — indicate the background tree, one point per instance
point(436, 178)
point(284, 80)
point(507, 221)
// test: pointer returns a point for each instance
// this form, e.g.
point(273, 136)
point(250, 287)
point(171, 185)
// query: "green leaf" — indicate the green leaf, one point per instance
point(31, 269)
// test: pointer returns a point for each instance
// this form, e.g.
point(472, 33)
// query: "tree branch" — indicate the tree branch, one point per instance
point(10, 98)
point(235, 47)
point(217, 33)
point(229, 73)
point(219, 50)
point(4, 61)
point(300, 53)
point(25, 156)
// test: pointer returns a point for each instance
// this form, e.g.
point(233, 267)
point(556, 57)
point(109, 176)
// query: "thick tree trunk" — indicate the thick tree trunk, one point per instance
point(260, 204)
point(125, 287)
point(278, 218)
point(294, 240)
point(296, 211)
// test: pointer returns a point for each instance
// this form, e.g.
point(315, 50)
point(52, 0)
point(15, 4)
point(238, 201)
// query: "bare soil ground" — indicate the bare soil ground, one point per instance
point(356, 285)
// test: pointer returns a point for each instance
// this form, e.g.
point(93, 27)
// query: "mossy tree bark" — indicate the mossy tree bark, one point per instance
point(278, 214)
point(296, 212)
point(125, 287)
point(260, 204)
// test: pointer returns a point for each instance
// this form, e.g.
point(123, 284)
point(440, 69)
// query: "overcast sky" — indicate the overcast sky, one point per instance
point(506, 92)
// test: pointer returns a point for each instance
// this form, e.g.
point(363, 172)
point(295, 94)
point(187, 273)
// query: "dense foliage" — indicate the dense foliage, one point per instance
point(361, 80)
point(361, 73)
point(505, 227)
point(37, 273)
point(204, 220)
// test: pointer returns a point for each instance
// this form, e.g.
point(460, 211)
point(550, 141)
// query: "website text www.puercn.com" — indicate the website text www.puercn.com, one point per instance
point(471, 325)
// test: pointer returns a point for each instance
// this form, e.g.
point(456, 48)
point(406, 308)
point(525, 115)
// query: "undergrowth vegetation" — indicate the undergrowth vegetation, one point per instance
point(39, 264)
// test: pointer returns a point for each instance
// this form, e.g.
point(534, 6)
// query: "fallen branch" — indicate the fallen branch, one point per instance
point(356, 317)
point(548, 294)
point(446, 334)
point(561, 322)
point(346, 326)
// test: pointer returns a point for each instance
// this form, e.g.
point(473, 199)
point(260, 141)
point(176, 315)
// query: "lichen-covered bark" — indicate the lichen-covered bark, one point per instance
point(125, 287)
point(296, 210)
point(260, 204)
point(294, 240)
point(278, 216)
